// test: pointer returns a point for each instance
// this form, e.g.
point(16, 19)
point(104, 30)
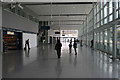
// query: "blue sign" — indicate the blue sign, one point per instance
point(45, 27)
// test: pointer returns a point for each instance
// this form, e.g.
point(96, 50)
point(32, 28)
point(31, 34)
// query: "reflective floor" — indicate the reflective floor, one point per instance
point(42, 62)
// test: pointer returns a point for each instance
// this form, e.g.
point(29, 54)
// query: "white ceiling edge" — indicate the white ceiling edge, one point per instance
point(50, 0)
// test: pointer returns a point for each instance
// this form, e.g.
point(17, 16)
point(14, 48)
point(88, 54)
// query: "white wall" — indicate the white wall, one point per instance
point(11, 20)
point(32, 38)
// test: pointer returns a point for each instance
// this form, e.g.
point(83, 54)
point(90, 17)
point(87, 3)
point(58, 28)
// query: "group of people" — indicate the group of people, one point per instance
point(74, 46)
point(59, 45)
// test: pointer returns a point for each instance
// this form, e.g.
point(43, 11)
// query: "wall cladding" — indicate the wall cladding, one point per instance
point(11, 20)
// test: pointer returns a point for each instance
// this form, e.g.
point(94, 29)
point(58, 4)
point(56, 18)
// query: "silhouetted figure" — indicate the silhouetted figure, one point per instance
point(70, 47)
point(91, 43)
point(27, 42)
point(58, 48)
point(75, 46)
point(81, 43)
point(71, 40)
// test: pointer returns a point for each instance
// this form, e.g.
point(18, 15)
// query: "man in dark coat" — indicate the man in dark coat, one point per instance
point(58, 48)
point(75, 46)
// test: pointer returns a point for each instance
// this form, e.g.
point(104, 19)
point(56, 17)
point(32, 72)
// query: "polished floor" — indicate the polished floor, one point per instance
point(42, 62)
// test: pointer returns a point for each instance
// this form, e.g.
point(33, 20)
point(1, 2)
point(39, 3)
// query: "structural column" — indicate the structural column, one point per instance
point(1, 41)
point(114, 42)
point(114, 33)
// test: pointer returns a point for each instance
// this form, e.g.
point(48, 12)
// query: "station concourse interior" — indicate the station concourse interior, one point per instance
point(29, 32)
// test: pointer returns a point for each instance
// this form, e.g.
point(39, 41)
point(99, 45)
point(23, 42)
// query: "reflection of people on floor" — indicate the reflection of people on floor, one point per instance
point(75, 61)
point(70, 47)
point(58, 68)
point(27, 52)
point(70, 59)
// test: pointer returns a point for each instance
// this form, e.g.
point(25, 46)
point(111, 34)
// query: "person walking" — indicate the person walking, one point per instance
point(91, 43)
point(70, 47)
point(58, 48)
point(75, 46)
point(81, 43)
point(27, 42)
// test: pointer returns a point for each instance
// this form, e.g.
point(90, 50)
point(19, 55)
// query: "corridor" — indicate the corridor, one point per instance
point(42, 62)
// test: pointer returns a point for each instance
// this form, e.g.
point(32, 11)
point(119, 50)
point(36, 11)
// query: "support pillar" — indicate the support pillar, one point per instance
point(114, 42)
point(1, 45)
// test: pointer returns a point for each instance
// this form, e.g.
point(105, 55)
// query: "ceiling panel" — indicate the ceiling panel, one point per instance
point(57, 18)
point(61, 9)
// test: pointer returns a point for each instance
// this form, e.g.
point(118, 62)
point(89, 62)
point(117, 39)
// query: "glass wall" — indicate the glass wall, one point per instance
point(101, 21)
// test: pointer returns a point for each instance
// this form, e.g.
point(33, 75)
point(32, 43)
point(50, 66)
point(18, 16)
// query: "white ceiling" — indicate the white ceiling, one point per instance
point(61, 9)
point(64, 22)
point(68, 15)
point(57, 18)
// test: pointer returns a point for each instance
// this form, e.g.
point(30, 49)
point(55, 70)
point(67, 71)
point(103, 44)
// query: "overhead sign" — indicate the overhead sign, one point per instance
point(45, 27)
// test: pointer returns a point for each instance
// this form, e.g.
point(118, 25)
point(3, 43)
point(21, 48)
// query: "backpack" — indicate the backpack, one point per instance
point(75, 45)
point(56, 47)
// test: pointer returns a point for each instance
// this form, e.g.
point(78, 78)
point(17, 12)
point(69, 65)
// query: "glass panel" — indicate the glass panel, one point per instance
point(97, 24)
point(111, 41)
point(105, 39)
point(105, 11)
point(101, 22)
point(101, 4)
point(101, 14)
point(110, 7)
point(101, 39)
point(105, 20)
point(117, 4)
point(110, 17)
point(105, 2)
point(118, 41)
point(98, 17)
point(97, 7)
point(117, 14)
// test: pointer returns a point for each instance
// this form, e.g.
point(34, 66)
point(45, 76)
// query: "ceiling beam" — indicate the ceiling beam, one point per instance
point(56, 3)
point(67, 24)
point(65, 15)
point(67, 20)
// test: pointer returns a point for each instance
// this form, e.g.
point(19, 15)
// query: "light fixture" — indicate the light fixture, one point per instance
point(19, 5)
point(16, 4)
